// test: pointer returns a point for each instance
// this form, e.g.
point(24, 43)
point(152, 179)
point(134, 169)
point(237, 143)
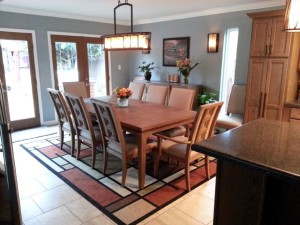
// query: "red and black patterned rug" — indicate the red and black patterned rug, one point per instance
point(127, 205)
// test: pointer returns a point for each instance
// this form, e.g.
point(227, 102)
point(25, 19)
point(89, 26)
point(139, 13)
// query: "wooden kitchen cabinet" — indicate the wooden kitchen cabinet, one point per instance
point(272, 70)
point(266, 88)
point(268, 39)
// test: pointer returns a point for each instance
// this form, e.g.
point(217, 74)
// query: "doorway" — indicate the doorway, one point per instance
point(17, 73)
point(80, 59)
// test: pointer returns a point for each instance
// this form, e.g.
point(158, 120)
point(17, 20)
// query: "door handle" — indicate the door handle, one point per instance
point(260, 103)
point(266, 50)
point(264, 105)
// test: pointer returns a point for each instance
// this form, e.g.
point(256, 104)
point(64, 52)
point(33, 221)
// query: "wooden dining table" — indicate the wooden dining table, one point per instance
point(144, 119)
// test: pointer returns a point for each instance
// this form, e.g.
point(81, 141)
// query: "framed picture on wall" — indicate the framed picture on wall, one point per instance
point(175, 49)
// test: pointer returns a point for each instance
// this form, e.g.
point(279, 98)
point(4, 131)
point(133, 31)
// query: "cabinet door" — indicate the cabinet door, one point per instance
point(261, 33)
point(255, 88)
point(269, 39)
point(275, 88)
point(280, 42)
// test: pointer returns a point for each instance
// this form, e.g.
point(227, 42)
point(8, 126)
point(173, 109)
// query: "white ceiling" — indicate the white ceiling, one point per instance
point(144, 11)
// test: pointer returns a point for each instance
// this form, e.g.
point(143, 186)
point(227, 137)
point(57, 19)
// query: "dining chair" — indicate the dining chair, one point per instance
point(85, 130)
point(181, 98)
point(235, 109)
point(179, 148)
point(76, 88)
point(116, 141)
point(137, 90)
point(65, 122)
point(156, 94)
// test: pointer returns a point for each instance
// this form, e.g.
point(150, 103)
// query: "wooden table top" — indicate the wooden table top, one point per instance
point(268, 145)
point(145, 116)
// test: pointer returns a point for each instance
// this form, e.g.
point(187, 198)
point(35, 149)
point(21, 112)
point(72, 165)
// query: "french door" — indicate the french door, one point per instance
point(17, 73)
point(80, 59)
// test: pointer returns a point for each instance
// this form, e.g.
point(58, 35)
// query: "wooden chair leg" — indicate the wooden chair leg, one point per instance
point(105, 157)
point(93, 155)
point(207, 166)
point(124, 172)
point(61, 135)
point(78, 148)
point(155, 163)
point(72, 144)
point(156, 157)
point(187, 177)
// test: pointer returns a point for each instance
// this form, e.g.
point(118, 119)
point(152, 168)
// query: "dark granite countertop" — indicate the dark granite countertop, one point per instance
point(268, 145)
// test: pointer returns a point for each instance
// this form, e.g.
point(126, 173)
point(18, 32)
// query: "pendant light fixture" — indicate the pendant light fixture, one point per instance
point(127, 41)
point(292, 16)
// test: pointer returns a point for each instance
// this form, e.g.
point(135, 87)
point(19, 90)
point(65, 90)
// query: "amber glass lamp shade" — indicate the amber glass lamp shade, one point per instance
point(292, 16)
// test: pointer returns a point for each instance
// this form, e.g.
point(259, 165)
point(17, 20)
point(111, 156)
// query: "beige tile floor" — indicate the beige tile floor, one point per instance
point(47, 200)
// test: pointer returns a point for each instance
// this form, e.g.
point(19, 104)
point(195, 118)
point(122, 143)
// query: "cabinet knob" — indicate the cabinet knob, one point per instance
point(270, 49)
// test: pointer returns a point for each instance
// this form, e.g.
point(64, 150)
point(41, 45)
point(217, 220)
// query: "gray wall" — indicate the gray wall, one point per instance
point(206, 73)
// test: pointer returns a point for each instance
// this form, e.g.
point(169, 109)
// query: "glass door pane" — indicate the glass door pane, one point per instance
point(18, 79)
point(96, 67)
point(66, 62)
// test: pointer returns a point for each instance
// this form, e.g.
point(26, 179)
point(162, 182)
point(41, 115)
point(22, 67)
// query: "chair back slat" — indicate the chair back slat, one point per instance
point(205, 122)
point(60, 105)
point(79, 112)
point(109, 122)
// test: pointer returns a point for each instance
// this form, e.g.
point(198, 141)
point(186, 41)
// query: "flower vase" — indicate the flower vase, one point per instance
point(123, 102)
point(186, 79)
point(185, 74)
point(147, 76)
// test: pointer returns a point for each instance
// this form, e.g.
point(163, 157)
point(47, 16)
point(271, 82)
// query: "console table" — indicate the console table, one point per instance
point(258, 173)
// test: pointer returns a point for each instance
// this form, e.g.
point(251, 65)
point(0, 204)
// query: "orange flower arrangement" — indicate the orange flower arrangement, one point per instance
point(122, 92)
point(184, 66)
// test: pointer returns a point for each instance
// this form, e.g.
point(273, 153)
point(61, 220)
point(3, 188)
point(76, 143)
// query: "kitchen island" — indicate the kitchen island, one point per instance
point(258, 173)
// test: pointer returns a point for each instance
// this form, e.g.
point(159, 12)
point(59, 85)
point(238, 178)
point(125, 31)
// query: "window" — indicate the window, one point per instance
point(228, 64)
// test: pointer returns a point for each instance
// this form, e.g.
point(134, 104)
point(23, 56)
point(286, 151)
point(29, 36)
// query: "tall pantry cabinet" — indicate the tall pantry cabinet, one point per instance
point(269, 66)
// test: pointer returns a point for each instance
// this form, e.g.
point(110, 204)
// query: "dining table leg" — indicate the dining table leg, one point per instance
point(142, 158)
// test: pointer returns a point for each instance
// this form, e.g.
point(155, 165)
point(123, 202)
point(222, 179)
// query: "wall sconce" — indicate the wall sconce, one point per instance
point(292, 16)
point(213, 42)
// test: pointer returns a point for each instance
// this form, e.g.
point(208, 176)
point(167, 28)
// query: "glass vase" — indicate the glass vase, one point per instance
point(122, 102)
point(186, 79)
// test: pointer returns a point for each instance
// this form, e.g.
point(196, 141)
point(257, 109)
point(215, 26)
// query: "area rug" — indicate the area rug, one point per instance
point(127, 205)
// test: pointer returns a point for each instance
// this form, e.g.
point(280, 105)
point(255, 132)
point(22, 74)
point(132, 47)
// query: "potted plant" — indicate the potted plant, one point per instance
point(146, 69)
point(207, 97)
